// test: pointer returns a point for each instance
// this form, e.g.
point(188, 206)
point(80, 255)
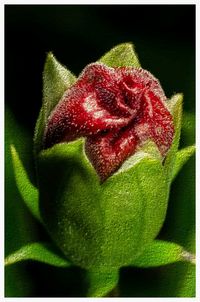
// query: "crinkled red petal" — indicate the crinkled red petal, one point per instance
point(116, 109)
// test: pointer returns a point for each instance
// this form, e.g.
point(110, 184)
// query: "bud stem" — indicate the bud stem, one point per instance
point(101, 282)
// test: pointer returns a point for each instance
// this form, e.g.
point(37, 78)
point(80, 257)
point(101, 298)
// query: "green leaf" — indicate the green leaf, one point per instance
point(18, 233)
point(188, 129)
point(99, 283)
point(182, 202)
point(27, 190)
point(182, 156)
point(121, 55)
point(56, 80)
point(20, 225)
point(39, 251)
point(104, 225)
point(175, 107)
point(19, 135)
point(161, 253)
point(178, 279)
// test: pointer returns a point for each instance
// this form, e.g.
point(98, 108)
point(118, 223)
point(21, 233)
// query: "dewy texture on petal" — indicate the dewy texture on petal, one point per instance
point(116, 110)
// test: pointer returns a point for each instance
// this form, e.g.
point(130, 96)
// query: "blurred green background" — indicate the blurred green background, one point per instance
point(164, 37)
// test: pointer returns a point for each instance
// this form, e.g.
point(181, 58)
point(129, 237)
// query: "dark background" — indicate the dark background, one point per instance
point(164, 37)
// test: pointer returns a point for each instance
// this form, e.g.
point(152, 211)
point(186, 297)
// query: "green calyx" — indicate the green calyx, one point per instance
point(109, 224)
point(100, 225)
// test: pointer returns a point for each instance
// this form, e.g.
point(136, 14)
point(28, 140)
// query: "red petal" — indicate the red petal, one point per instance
point(90, 106)
point(107, 152)
point(145, 95)
point(160, 122)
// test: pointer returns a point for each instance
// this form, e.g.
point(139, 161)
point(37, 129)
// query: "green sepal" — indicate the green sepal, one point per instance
point(69, 201)
point(101, 225)
point(161, 252)
point(121, 55)
point(134, 206)
point(38, 251)
point(100, 282)
point(28, 191)
point(56, 80)
point(175, 107)
point(182, 156)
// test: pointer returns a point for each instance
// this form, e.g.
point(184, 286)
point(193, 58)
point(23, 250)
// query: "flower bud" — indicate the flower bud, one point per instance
point(102, 178)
